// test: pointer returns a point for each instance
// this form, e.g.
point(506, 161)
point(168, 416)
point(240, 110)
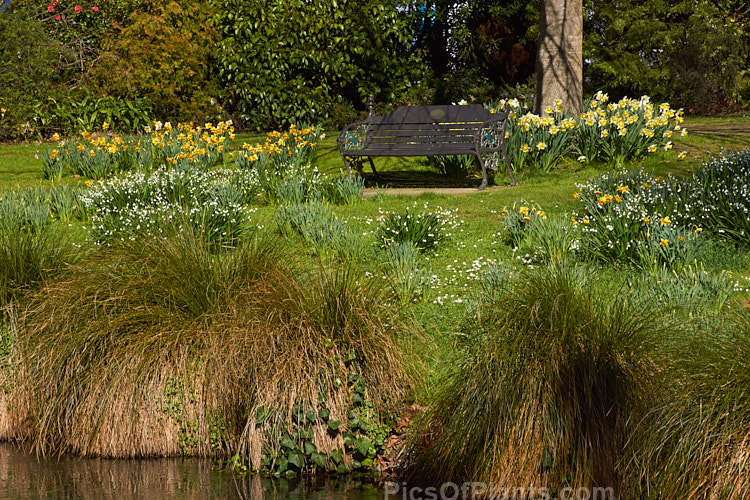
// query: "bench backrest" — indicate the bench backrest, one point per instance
point(423, 126)
point(436, 114)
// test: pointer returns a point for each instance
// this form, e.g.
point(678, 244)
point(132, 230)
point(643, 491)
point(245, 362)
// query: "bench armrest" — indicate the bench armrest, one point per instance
point(491, 135)
point(354, 135)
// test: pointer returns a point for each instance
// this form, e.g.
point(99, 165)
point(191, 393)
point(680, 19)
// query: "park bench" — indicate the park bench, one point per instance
point(428, 131)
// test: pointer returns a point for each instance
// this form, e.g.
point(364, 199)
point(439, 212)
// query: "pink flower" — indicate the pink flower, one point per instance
point(77, 9)
point(50, 8)
point(95, 9)
point(57, 17)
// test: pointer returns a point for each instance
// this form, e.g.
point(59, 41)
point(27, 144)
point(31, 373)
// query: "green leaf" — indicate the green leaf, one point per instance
point(311, 416)
point(342, 469)
point(287, 442)
point(359, 386)
point(334, 424)
point(297, 459)
point(337, 455)
point(310, 448)
point(318, 459)
point(324, 413)
point(363, 446)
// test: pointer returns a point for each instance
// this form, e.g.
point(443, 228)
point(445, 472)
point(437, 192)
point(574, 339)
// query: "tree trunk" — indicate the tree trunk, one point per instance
point(559, 62)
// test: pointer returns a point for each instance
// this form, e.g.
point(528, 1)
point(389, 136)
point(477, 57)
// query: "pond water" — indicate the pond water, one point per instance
point(24, 476)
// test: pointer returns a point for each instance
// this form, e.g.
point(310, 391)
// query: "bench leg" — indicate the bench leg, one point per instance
point(484, 173)
point(512, 176)
point(372, 166)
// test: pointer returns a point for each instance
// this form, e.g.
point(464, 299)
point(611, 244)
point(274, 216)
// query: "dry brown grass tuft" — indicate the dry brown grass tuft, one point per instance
point(165, 347)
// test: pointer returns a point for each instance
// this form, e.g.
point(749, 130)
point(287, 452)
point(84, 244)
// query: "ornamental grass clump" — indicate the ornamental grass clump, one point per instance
point(410, 281)
point(319, 227)
point(167, 346)
point(31, 247)
point(546, 387)
point(346, 189)
point(696, 443)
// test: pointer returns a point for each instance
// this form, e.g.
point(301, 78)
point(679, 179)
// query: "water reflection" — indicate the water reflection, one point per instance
point(24, 476)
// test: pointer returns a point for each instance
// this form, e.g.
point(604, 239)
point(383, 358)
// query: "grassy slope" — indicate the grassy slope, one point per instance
point(475, 243)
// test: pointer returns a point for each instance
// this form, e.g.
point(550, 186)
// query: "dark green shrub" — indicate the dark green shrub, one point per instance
point(31, 80)
point(163, 51)
point(280, 63)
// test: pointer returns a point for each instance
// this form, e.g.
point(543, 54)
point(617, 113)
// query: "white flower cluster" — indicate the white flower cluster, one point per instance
point(424, 229)
point(212, 201)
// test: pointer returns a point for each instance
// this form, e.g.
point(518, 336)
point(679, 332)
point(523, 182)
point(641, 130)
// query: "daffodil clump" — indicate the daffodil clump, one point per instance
point(282, 155)
point(188, 145)
point(540, 141)
point(630, 128)
point(519, 220)
point(101, 155)
point(53, 163)
point(96, 156)
point(622, 212)
point(215, 202)
point(609, 132)
point(636, 217)
point(282, 150)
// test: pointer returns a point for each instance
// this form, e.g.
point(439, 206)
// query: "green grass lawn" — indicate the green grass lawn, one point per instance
point(20, 166)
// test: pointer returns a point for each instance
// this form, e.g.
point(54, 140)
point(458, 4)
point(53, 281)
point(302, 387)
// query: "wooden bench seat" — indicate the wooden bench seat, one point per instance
point(428, 131)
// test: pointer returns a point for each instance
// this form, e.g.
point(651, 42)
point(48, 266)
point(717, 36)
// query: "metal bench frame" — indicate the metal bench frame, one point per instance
point(428, 131)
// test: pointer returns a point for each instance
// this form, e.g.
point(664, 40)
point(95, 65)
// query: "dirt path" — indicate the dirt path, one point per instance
point(412, 191)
